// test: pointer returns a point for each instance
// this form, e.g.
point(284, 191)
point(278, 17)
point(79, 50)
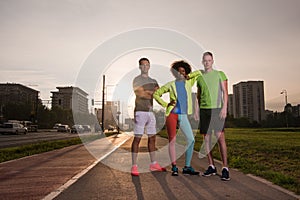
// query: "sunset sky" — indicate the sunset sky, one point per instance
point(46, 43)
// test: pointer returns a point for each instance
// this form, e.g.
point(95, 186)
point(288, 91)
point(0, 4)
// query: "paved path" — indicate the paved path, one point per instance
point(100, 170)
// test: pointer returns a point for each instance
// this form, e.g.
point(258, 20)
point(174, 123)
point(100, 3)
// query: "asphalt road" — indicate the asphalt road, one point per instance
point(111, 179)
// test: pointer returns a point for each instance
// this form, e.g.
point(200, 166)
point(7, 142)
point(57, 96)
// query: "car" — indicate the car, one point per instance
point(11, 127)
point(30, 126)
point(111, 128)
point(56, 125)
point(87, 128)
point(33, 128)
point(63, 128)
point(77, 129)
point(98, 127)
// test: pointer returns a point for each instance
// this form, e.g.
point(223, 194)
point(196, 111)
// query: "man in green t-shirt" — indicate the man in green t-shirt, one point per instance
point(213, 98)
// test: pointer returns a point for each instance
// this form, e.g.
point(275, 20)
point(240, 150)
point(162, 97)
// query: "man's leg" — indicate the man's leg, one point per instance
point(222, 147)
point(135, 148)
point(151, 132)
point(151, 147)
point(211, 170)
point(208, 148)
point(140, 119)
point(205, 129)
point(134, 153)
point(223, 151)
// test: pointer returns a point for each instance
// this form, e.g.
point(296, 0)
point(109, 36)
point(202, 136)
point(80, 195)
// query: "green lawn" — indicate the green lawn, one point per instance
point(11, 153)
point(273, 154)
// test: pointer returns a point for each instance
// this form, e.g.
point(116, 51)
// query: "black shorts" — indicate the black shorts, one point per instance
point(210, 121)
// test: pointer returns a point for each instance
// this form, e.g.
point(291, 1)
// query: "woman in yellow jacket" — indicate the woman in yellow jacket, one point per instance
point(178, 109)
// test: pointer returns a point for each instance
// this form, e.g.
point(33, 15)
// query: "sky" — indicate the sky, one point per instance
point(46, 43)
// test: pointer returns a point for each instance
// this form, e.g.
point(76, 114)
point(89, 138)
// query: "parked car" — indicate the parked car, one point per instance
point(14, 128)
point(111, 128)
point(63, 128)
point(56, 125)
point(87, 128)
point(77, 129)
point(31, 127)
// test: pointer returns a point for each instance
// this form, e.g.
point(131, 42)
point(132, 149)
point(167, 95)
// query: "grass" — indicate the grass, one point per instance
point(272, 154)
point(12, 153)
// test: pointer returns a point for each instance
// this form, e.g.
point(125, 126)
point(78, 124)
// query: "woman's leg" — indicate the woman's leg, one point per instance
point(186, 128)
point(171, 123)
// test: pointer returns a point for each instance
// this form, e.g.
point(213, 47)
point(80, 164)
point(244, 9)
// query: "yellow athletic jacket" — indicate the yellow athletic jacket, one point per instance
point(171, 88)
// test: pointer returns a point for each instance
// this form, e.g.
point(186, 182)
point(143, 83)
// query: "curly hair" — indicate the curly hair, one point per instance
point(175, 66)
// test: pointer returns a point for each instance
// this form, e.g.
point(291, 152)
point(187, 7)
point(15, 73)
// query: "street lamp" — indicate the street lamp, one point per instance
point(285, 95)
point(285, 108)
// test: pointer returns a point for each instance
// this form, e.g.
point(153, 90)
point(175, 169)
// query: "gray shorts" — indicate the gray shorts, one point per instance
point(145, 122)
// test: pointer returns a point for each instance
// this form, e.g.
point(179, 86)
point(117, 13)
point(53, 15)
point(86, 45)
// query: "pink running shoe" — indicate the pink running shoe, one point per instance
point(157, 167)
point(134, 170)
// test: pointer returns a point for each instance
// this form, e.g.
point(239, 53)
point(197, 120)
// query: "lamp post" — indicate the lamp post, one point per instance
point(285, 95)
point(285, 107)
point(104, 100)
point(118, 116)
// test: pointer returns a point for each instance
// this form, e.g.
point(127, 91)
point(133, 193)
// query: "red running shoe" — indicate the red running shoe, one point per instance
point(157, 167)
point(134, 170)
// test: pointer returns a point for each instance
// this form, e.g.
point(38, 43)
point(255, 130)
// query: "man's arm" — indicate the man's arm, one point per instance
point(142, 93)
point(224, 85)
point(198, 94)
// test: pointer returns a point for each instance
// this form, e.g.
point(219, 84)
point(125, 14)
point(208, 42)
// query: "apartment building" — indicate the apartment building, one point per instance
point(20, 95)
point(248, 100)
point(70, 98)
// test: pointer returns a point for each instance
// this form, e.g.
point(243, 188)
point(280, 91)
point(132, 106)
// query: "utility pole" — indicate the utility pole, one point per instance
point(118, 114)
point(103, 98)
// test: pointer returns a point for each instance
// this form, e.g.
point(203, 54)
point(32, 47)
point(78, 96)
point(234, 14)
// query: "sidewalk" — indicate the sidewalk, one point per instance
point(45, 176)
point(36, 176)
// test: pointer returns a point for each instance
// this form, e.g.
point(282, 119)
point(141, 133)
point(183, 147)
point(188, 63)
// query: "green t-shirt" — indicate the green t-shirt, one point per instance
point(211, 90)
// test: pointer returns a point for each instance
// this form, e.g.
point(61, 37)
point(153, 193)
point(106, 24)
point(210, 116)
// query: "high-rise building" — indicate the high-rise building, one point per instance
point(230, 104)
point(17, 93)
point(248, 100)
point(70, 98)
